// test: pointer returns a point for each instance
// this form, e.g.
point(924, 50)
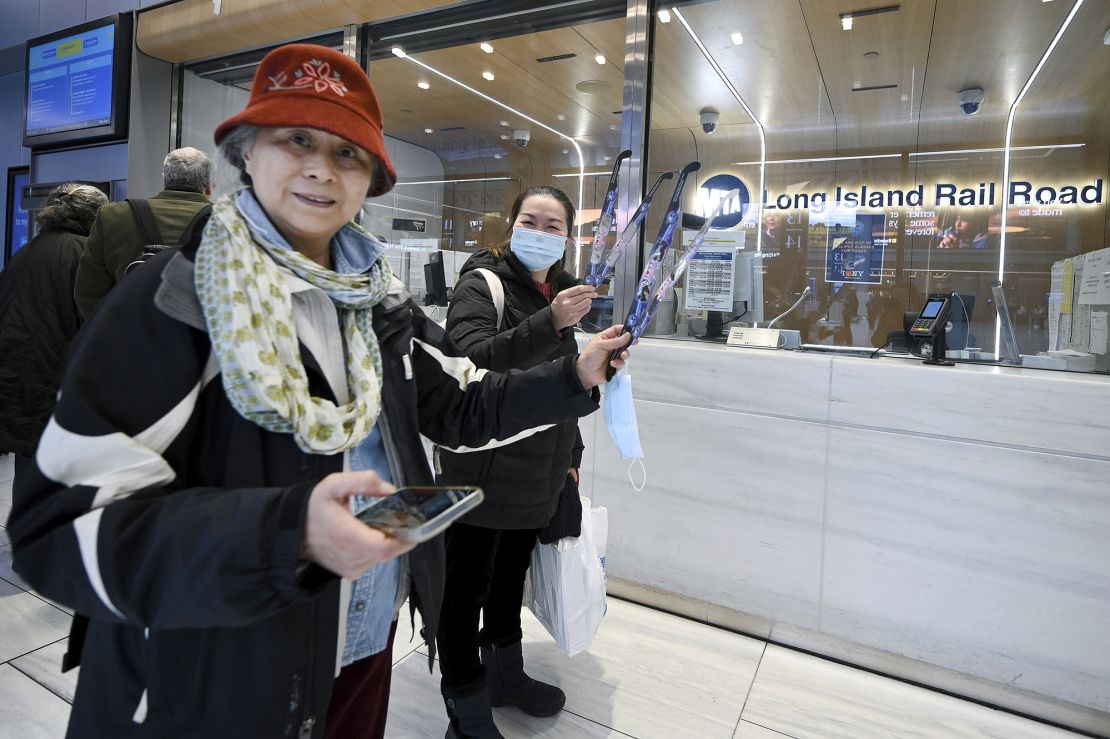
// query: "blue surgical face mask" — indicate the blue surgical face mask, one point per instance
point(620, 417)
point(537, 250)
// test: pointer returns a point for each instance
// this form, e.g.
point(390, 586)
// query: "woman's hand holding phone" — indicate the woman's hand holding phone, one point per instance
point(335, 539)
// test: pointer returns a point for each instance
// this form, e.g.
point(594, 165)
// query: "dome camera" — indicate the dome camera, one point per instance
point(971, 100)
point(709, 119)
point(522, 137)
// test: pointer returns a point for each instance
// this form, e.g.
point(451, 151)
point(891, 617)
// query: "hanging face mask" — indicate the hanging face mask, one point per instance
point(620, 417)
point(537, 250)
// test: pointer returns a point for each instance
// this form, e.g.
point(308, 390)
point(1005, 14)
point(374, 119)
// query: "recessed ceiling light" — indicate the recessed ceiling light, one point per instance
point(486, 47)
point(428, 130)
point(398, 52)
point(423, 85)
point(496, 156)
point(605, 159)
point(566, 151)
point(664, 16)
point(561, 117)
point(614, 127)
point(737, 38)
point(504, 123)
point(488, 75)
point(846, 22)
point(600, 58)
point(504, 137)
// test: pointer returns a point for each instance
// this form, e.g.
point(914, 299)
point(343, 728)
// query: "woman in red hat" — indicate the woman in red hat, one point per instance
point(224, 414)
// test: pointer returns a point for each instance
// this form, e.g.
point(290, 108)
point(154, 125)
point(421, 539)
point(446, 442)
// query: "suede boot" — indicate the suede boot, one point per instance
point(510, 686)
point(468, 708)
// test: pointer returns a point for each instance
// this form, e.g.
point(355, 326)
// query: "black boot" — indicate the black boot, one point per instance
point(510, 686)
point(468, 708)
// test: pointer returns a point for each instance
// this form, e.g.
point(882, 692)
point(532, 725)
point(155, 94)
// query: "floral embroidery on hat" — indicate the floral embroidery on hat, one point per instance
point(314, 73)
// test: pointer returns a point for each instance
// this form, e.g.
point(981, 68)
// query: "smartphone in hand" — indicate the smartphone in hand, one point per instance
point(416, 514)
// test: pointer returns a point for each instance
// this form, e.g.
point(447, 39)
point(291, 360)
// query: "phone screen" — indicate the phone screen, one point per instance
point(420, 510)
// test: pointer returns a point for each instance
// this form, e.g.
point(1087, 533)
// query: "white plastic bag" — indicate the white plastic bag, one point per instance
point(568, 584)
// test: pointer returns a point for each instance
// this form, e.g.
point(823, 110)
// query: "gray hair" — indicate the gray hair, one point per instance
point(236, 143)
point(71, 202)
point(188, 169)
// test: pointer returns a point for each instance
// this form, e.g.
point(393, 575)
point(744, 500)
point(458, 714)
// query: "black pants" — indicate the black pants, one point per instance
point(485, 575)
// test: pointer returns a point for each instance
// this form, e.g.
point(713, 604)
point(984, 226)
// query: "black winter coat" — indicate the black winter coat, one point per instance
point(175, 525)
point(521, 481)
point(38, 320)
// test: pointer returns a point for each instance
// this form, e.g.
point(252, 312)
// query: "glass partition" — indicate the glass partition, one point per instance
point(472, 126)
point(870, 151)
point(883, 178)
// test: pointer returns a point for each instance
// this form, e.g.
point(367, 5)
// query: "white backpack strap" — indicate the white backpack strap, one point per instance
point(496, 291)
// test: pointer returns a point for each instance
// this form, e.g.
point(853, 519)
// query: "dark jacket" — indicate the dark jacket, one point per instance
point(521, 481)
point(38, 320)
point(175, 524)
point(116, 241)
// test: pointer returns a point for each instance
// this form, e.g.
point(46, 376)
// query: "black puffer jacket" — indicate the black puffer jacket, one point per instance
point(174, 525)
point(38, 320)
point(522, 481)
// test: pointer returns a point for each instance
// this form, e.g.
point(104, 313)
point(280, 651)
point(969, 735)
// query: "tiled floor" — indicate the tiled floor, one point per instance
point(648, 674)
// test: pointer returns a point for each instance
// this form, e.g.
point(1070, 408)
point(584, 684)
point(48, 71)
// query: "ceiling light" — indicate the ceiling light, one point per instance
point(504, 137)
point(504, 123)
point(398, 52)
point(488, 76)
point(561, 117)
point(486, 47)
point(614, 127)
point(496, 156)
point(428, 130)
point(600, 58)
point(423, 85)
point(737, 38)
point(566, 151)
point(605, 159)
point(847, 18)
point(664, 16)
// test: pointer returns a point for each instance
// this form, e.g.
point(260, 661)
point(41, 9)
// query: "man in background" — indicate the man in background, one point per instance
point(117, 238)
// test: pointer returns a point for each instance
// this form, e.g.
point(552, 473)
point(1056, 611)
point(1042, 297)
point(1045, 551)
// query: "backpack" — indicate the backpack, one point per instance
point(152, 235)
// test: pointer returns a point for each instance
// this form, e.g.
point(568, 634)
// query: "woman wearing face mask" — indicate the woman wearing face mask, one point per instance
point(489, 553)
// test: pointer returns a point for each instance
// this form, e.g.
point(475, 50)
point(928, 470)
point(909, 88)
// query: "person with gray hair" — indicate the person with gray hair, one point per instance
point(123, 231)
point(188, 169)
point(38, 318)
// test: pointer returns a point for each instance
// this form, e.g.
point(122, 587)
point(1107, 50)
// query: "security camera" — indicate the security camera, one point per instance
point(522, 137)
point(971, 100)
point(709, 119)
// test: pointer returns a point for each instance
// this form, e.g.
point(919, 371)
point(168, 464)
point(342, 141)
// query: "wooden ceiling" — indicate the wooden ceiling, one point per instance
point(189, 29)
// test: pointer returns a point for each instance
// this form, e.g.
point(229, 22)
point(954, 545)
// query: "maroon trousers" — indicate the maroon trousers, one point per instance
point(360, 697)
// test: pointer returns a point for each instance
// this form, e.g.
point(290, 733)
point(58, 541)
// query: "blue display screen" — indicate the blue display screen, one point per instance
point(18, 228)
point(69, 82)
point(931, 309)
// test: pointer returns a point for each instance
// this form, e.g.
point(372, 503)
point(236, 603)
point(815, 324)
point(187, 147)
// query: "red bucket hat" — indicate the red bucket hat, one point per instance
point(317, 87)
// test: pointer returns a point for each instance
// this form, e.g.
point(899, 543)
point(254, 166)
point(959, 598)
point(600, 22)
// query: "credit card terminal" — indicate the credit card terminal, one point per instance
point(932, 325)
point(933, 317)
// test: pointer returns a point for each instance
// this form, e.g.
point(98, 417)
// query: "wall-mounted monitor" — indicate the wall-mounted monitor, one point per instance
point(78, 84)
point(17, 219)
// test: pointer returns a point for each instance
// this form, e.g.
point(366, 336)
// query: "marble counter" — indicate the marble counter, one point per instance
point(948, 525)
